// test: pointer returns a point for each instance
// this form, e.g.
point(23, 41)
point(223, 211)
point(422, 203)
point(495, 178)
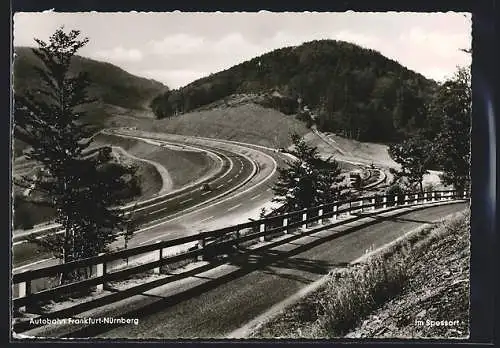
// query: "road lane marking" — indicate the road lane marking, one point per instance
point(269, 189)
point(185, 201)
point(231, 165)
point(230, 180)
point(150, 240)
point(206, 193)
point(157, 211)
point(208, 218)
point(161, 221)
point(236, 206)
point(255, 196)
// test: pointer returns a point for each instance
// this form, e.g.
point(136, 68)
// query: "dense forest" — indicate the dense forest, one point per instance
point(350, 90)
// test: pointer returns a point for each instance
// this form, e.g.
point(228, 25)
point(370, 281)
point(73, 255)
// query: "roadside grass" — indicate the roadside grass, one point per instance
point(183, 167)
point(351, 294)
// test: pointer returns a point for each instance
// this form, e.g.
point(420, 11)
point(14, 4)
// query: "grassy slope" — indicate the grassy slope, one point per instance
point(183, 166)
point(247, 123)
point(426, 277)
point(149, 178)
point(438, 289)
point(349, 148)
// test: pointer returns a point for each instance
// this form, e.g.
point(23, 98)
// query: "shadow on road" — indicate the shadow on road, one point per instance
point(247, 261)
point(399, 219)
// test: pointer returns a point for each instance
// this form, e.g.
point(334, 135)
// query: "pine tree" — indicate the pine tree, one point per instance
point(80, 184)
point(309, 180)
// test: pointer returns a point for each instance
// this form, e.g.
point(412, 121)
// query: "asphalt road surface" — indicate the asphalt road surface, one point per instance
point(171, 218)
point(229, 304)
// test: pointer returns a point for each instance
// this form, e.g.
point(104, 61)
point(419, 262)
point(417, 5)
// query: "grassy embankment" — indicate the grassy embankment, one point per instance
point(249, 123)
point(424, 277)
point(183, 166)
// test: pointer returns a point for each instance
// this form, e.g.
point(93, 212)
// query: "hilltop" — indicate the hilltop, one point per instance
point(344, 88)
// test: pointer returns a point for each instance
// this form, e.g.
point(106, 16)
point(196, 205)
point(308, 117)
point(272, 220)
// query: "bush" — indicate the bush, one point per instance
point(429, 187)
point(305, 116)
point(395, 189)
point(350, 297)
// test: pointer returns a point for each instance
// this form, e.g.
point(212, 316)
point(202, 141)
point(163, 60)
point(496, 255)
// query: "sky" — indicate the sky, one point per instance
point(176, 48)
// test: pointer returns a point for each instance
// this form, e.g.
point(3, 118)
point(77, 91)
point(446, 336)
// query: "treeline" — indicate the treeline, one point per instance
point(109, 83)
point(444, 143)
point(353, 91)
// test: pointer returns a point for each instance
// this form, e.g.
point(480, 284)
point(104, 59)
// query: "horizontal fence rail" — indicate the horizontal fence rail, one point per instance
point(204, 245)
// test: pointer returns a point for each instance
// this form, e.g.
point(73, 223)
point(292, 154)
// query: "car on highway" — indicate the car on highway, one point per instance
point(206, 187)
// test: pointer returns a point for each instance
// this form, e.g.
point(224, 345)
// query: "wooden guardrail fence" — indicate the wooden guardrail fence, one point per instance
point(206, 244)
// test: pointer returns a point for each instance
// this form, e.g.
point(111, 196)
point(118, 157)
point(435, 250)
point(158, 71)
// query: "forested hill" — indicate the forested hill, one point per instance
point(112, 87)
point(109, 83)
point(350, 90)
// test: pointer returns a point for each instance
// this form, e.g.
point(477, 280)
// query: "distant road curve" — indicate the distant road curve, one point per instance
point(240, 170)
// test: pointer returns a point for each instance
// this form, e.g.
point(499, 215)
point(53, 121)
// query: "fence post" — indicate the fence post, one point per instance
point(361, 206)
point(100, 271)
point(465, 194)
point(262, 228)
point(384, 202)
point(433, 196)
point(373, 203)
point(201, 245)
point(304, 218)
point(320, 214)
point(334, 216)
point(425, 197)
point(24, 290)
point(396, 197)
point(407, 200)
point(416, 198)
point(159, 256)
point(285, 223)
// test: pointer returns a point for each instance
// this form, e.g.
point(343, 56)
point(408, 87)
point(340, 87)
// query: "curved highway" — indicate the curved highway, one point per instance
point(178, 215)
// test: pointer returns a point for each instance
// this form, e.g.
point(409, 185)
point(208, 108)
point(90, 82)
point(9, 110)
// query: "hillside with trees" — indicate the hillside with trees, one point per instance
point(349, 90)
point(110, 84)
point(444, 144)
point(111, 87)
